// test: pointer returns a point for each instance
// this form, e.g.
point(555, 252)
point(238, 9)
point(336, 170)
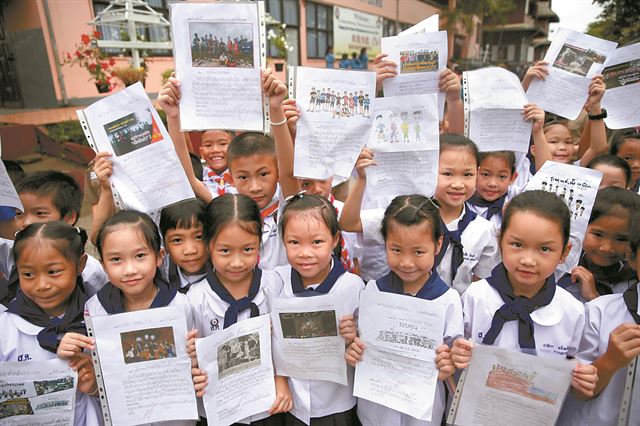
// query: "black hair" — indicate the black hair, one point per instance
point(68, 240)
point(618, 138)
point(456, 141)
point(249, 144)
point(182, 215)
point(614, 201)
point(634, 233)
point(613, 161)
point(14, 170)
point(196, 163)
point(411, 210)
point(542, 203)
point(144, 223)
point(315, 206)
point(232, 208)
point(62, 189)
point(507, 156)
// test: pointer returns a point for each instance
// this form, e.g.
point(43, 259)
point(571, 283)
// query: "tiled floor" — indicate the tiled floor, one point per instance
point(38, 117)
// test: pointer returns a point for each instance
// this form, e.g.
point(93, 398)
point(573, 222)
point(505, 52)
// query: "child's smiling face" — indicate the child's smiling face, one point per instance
point(494, 178)
point(457, 170)
point(213, 149)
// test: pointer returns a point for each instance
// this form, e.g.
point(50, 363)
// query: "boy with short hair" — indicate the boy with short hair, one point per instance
point(213, 150)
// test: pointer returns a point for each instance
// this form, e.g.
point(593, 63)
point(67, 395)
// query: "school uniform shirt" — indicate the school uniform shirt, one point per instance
point(369, 245)
point(557, 326)
point(480, 253)
point(319, 398)
point(496, 219)
point(209, 309)
point(523, 167)
point(371, 413)
point(19, 343)
point(272, 251)
point(185, 280)
point(603, 315)
point(349, 238)
point(217, 184)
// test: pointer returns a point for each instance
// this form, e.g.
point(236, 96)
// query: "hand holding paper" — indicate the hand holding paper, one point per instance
point(169, 97)
point(461, 353)
point(539, 71)
point(384, 68)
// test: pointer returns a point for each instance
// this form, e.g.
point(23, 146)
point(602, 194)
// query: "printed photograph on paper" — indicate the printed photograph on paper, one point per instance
point(413, 61)
point(221, 44)
point(576, 60)
point(49, 386)
point(148, 345)
point(622, 74)
point(238, 354)
point(15, 407)
point(518, 382)
point(132, 132)
point(308, 325)
point(339, 102)
point(13, 391)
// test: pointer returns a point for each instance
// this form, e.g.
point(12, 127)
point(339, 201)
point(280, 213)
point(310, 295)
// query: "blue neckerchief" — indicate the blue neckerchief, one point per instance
point(112, 299)
point(493, 207)
point(9, 287)
point(236, 306)
point(431, 290)
point(325, 287)
point(176, 282)
point(516, 308)
point(72, 321)
point(630, 297)
point(455, 239)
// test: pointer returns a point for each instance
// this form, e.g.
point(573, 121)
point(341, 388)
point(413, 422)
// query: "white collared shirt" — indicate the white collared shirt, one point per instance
point(319, 398)
point(557, 326)
point(185, 279)
point(212, 185)
point(272, 251)
point(496, 219)
point(19, 343)
point(370, 248)
point(603, 315)
point(371, 413)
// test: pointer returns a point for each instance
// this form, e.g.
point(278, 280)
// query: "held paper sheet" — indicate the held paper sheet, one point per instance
point(37, 393)
point(139, 353)
point(8, 195)
point(335, 119)
point(573, 59)
point(494, 101)
point(429, 25)
point(622, 97)
point(519, 389)
point(398, 368)
point(305, 332)
point(577, 187)
point(219, 51)
point(238, 363)
point(147, 175)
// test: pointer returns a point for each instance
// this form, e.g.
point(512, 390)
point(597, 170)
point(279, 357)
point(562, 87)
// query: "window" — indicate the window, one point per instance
point(155, 33)
point(391, 28)
point(286, 12)
point(319, 29)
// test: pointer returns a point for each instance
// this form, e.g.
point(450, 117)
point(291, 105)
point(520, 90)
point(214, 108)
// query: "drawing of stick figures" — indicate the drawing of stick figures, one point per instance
point(564, 192)
point(544, 185)
point(417, 117)
point(394, 129)
point(581, 210)
point(405, 126)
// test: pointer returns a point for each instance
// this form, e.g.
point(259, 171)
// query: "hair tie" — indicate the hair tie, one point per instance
point(294, 197)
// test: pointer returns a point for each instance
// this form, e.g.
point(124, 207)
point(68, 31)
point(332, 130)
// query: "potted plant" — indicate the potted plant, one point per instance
point(131, 75)
point(89, 56)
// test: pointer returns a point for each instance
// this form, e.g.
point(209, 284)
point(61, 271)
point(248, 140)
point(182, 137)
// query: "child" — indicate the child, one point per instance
point(236, 288)
point(51, 196)
point(519, 306)
point(413, 237)
point(213, 150)
point(615, 171)
point(49, 258)
point(625, 144)
point(181, 229)
point(611, 340)
point(602, 269)
point(310, 231)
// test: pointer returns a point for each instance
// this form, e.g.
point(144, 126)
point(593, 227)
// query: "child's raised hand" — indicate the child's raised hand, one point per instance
point(103, 168)
point(624, 345)
point(584, 380)
point(587, 282)
point(347, 328)
point(73, 344)
point(596, 91)
point(169, 97)
point(536, 114)
point(538, 70)
point(384, 69)
point(365, 159)
point(461, 353)
point(354, 352)
point(83, 365)
point(444, 364)
point(275, 89)
point(192, 335)
point(200, 381)
point(284, 398)
point(449, 83)
point(292, 114)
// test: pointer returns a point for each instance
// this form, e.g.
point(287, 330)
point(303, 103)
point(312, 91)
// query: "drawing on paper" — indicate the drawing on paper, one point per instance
point(622, 74)
point(238, 354)
point(577, 60)
point(519, 382)
point(49, 386)
point(413, 61)
point(15, 407)
point(308, 325)
point(148, 345)
point(132, 132)
point(570, 191)
point(339, 103)
point(399, 126)
point(221, 44)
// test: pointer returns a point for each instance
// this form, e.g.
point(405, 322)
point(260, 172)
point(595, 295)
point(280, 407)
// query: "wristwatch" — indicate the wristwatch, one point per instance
point(600, 116)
